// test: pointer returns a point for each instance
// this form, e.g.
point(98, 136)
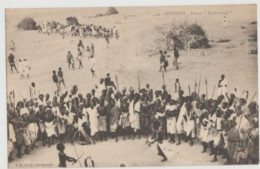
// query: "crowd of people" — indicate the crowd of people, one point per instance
point(81, 30)
point(226, 126)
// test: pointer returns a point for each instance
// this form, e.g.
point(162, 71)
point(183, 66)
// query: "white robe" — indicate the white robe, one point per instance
point(181, 123)
point(50, 129)
point(171, 122)
point(93, 120)
point(136, 122)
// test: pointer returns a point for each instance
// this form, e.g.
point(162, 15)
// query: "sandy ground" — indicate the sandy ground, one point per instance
point(111, 154)
point(128, 56)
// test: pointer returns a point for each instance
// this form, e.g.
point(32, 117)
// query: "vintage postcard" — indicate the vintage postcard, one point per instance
point(132, 86)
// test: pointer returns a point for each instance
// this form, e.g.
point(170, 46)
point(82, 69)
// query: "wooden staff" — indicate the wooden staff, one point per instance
point(213, 91)
point(206, 82)
point(163, 77)
point(199, 86)
point(117, 86)
point(139, 84)
point(189, 89)
point(195, 84)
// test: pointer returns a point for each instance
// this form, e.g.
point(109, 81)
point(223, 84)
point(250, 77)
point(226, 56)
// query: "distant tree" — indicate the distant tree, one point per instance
point(72, 21)
point(111, 11)
point(184, 36)
point(27, 24)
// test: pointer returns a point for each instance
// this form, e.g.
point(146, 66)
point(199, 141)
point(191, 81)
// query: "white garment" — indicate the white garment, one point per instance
point(171, 122)
point(181, 123)
point(136, 123)
point(50, 129)
point(93, 120)
point(223, 90)
point(24, 111)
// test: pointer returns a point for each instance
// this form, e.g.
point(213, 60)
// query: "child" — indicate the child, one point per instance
point(63, 157)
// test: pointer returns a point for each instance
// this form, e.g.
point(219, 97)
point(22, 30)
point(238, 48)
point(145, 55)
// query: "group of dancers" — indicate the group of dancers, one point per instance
point(226, 126)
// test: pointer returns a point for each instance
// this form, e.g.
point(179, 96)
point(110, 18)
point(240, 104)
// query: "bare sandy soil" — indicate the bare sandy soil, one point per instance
point(133, 153)
point(128, 56)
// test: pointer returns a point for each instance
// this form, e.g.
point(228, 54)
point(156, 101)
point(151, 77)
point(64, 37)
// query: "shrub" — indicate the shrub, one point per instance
point(27, 24)
point(72, 21)
point(111, 11)
point(195, 29)
point(182, 35)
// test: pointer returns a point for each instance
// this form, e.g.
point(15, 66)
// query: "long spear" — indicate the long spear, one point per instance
point(163, 77)
point(117, 83)
point(199, 86)
point(195, 84)
point(139, 84)
point(213, 91)
point(189, 89)
point(206, 81)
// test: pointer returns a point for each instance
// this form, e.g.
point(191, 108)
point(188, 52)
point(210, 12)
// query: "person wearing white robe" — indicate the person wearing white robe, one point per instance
point(190, 119)
point(181, 123)
point(171, 110)
point(93, 120)
point(11, 141)
point(136, 118)
point(222, 86)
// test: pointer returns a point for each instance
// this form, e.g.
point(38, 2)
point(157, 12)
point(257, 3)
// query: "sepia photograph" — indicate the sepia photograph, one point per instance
point(132, 86)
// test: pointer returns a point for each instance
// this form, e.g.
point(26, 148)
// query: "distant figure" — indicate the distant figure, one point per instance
point(12, 63)
point(177, 86)
point(70, 60)
point(222, 86)
point(92, 49)
point(20, 65)
point(56, 81)
point(63, 157)
point(162, 59)
point(26, 68)
point(176, 56)
point(107, 40)
point(92, 64)
point(12, 46)
point(80, 45)
point(33, 91)
point(166, 63)
point(60, 77)
point(224, 21)
point(79, 58)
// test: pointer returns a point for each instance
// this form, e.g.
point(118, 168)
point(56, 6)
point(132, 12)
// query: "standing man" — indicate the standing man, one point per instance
point(176, 56)
point(12, 46)
point(12, 63)
point(69, 59)
point(222, 86)
point(61, 78)
point(92, 63)
point(79, 58)
point(27, 68)
point(33, 91)
point(177, 89)
point(56, 81)
point(162, 60)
